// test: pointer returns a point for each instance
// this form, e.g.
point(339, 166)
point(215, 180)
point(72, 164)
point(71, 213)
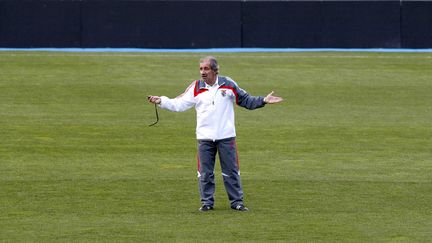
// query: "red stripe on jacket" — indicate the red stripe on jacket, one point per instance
point(197, 90)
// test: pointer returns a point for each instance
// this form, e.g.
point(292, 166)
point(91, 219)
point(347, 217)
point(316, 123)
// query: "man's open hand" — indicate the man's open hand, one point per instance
point(270, 99)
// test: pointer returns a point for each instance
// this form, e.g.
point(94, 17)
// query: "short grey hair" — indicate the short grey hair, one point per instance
point(213, 63)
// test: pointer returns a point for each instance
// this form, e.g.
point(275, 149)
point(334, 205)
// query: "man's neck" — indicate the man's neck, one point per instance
point(213, 82)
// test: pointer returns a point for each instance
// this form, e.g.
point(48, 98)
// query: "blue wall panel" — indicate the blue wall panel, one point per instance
point(361, 24)
point(282, 24)
point(40, 24)
point(417, 24)
point(215, 24)
point(161, 24)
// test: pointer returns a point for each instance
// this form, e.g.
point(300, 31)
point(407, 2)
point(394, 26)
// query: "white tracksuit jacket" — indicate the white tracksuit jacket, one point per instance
point(214, 106)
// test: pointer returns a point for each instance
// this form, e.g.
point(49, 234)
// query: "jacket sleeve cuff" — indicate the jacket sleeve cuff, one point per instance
point(163, 102)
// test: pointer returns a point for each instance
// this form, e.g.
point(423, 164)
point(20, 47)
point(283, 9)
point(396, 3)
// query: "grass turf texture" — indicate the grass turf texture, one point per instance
point(346, 157)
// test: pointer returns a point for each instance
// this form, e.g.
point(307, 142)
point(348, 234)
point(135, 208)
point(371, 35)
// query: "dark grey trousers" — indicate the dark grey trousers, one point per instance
point(227, 150)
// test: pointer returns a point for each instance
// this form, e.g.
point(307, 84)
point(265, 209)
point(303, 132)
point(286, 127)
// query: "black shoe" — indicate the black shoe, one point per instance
point(205, 208)
point(240, 207)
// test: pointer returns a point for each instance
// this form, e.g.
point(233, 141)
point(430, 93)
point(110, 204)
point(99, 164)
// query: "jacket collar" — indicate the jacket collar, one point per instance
point(219, 79)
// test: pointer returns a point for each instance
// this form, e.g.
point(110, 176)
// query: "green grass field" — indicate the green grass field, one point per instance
point(346, 158)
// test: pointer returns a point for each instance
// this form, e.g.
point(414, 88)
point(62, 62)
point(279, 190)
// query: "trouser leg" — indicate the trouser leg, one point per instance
point(230, 170)
point(206, 161)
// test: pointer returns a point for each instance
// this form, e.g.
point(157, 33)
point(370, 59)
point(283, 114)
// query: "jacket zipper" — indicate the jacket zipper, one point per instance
point(214, 96)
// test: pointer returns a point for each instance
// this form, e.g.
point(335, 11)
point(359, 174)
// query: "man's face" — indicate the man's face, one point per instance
point(207, 74)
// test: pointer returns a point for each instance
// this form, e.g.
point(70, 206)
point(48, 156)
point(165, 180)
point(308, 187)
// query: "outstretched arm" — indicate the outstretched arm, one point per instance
point(178, 104)
point(270, 99)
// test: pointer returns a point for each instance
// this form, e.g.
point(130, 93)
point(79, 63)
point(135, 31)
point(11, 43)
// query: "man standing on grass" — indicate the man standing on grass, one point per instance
point(213, 98)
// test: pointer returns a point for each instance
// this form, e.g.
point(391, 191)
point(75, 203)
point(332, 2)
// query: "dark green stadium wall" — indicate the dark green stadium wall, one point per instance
point(216, 24)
